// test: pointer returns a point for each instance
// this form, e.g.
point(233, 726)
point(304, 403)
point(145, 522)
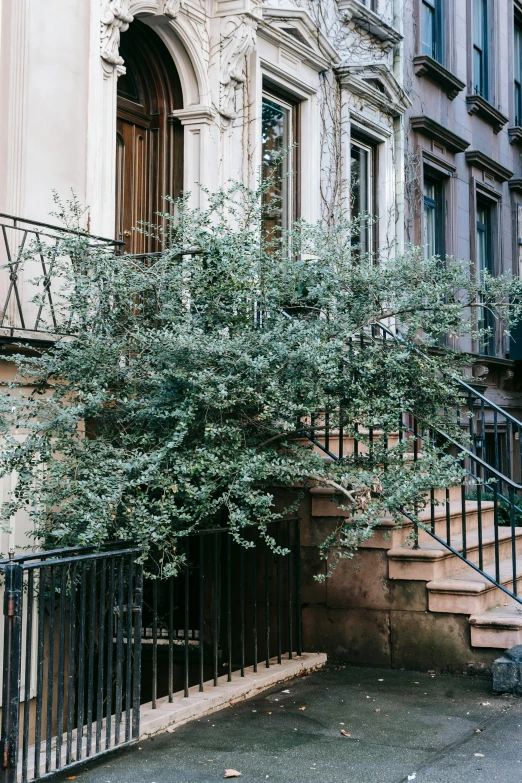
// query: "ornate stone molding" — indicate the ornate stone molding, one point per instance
point(115, 19)
point(238, 39)
point(492, 167)
point(483, 109)
point(171, 8)
point(426, 66)
point(368, 20)
point(433, 130)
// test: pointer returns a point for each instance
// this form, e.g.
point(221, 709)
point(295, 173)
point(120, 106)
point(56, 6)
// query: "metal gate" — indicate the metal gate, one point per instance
point(72, 658)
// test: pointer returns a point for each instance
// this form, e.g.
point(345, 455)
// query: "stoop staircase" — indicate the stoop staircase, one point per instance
point(468, 552)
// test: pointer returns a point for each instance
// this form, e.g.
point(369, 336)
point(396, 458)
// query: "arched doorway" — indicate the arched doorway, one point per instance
point(149, 141)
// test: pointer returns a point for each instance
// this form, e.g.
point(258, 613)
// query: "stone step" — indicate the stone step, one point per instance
point(470, 592)
point(433, 561)
point(499, 627)
point(487, 516)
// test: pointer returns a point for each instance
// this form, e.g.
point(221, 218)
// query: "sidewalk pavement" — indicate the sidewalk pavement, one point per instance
point(399, 726)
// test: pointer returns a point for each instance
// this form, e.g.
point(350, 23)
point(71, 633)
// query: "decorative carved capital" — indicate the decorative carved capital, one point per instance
point(171, 8)
point(238, 41)
point(115, 19)
point(480, 371)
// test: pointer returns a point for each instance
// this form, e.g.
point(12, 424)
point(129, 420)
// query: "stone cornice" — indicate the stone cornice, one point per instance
point(423, 65)
point(433, 130)
point(482, 161)
point(372, 23)
point(486, 111)
point(515, 185)
point(314, 49)
point(195, 115)
point(357, 79)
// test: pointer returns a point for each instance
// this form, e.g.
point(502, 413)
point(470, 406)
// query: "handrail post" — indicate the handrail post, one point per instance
point(12, 668)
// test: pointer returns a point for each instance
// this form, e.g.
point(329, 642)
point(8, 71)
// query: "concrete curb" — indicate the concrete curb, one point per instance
point(197, 704)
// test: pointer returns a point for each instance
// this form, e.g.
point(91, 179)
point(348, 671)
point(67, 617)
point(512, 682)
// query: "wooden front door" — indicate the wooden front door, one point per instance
point(149, 141)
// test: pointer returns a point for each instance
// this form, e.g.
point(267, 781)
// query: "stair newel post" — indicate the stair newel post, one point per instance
point(513, 537)
point(495, 512)
point(471, 423)
point(519, 456)
point(13, 575)
point(415, 459)
point(508, 450)
point(463, 506)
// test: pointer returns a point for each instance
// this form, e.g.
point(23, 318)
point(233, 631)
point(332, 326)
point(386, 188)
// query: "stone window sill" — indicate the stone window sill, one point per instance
point(486, 111)
point(515, 134)
point(424, 65)
point(370, 21)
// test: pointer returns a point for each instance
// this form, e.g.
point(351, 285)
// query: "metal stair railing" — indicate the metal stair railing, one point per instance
point(490, 461)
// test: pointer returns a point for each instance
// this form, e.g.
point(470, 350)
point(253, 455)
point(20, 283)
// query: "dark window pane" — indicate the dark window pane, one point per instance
point(276, 139)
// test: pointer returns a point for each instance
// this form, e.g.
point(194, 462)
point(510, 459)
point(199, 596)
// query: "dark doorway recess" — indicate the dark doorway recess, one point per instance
point(149, 140)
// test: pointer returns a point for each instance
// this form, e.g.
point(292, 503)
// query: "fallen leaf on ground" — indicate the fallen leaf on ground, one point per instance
point(232, 773)
point(268, 713)
point(345, 733)
point(71, 777)
point(378, 709)
point(302, 708)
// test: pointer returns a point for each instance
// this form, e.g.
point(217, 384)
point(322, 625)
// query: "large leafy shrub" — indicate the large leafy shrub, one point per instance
point(180, 397)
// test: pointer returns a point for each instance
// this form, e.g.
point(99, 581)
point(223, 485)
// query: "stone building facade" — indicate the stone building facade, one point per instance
point(410, 110)
point(463, 162)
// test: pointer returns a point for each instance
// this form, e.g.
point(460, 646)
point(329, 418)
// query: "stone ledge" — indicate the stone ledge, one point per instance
point(181, 710)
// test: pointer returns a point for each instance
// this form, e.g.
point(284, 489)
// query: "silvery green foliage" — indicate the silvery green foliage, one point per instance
point(177, 400)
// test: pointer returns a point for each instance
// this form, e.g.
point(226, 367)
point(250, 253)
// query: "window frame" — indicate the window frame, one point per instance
point(370, 148)
point(291, 164)
point(488, 263)
point(435, 47)
point(480, 49)
point(437, 204)
point(517, 71)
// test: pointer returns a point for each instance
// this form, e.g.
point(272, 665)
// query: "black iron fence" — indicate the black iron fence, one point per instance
point(71, 680)
point(87, 639)
point(232, 607)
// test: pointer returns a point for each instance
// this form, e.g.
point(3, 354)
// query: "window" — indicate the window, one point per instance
point(485, 263)
point(518, 74)
point(278, 124)
point(432, 42)
point(480, 48)
point(433, 218)
point(361, 194)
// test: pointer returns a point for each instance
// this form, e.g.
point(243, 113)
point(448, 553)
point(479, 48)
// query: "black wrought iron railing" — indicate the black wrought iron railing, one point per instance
point(87, 639)
point(483, 527)
point(232, 607)
point(27, 298)
point(70, 688)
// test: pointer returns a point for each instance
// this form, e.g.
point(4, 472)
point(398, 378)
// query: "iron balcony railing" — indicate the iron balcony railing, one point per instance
point(28, 301)
point(489, 452)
